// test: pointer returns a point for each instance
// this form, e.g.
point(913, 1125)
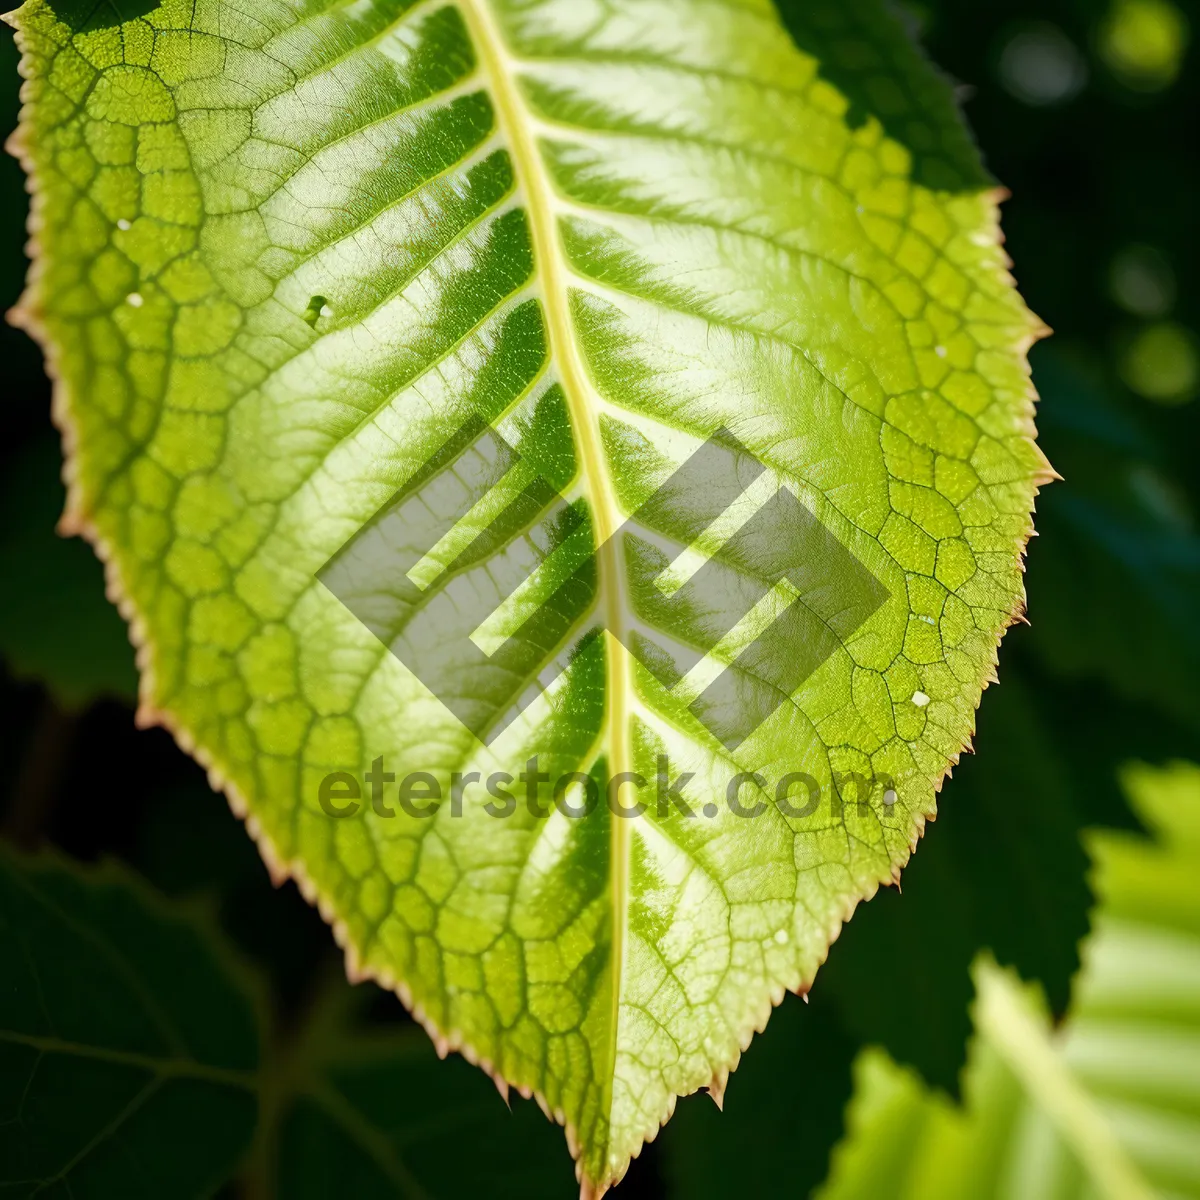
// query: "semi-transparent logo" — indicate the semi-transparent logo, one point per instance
point(482, 579)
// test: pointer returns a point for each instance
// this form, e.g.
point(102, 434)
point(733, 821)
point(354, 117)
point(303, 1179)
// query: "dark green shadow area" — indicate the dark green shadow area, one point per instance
point(1003, 870)
point(86, 16)
point(783, 1111)
point(865, 51)
point(56, 625)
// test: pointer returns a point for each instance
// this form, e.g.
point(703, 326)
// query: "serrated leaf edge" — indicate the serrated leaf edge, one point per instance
point(75, 521)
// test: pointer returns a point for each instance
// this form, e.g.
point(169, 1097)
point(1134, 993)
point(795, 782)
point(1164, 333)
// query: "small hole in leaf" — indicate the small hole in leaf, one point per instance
point(318, 306)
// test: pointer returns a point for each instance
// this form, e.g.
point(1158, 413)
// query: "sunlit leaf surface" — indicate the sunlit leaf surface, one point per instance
point(291, 249)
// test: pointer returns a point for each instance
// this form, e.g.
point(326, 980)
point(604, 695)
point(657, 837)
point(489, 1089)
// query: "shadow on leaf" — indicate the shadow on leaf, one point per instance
point(86, 16)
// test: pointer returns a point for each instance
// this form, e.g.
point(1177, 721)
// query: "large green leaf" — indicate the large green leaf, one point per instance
point(290, 250)
point(1107, 1106)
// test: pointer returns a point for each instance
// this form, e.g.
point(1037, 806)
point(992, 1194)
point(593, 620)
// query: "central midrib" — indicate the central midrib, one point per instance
point(498, 67)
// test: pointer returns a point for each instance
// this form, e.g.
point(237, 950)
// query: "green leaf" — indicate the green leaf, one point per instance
point(288, 258)
point(1107, 1106)
point(127, 1042)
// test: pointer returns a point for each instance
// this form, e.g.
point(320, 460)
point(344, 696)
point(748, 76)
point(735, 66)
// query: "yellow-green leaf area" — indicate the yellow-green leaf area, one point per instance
point(285, 252)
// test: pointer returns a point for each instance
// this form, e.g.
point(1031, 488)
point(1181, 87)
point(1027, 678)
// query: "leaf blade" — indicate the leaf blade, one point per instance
point(271, 430)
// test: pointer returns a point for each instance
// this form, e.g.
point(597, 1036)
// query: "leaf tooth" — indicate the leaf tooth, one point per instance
point(72, 523)
point(149, 717)
point(308, 889)
point(15, 144)
point(1045, 473)
point(325, 908)
point(216, 777)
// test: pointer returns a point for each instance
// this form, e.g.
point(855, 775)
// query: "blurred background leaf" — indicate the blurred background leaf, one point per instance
point(128, 1045)
point(1115, 593)
point(134, 1062)
point(1107, 1106)
point(382, 1116)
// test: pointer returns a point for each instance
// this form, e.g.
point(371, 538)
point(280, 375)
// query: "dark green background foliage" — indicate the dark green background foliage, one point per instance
point(222, 1012)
